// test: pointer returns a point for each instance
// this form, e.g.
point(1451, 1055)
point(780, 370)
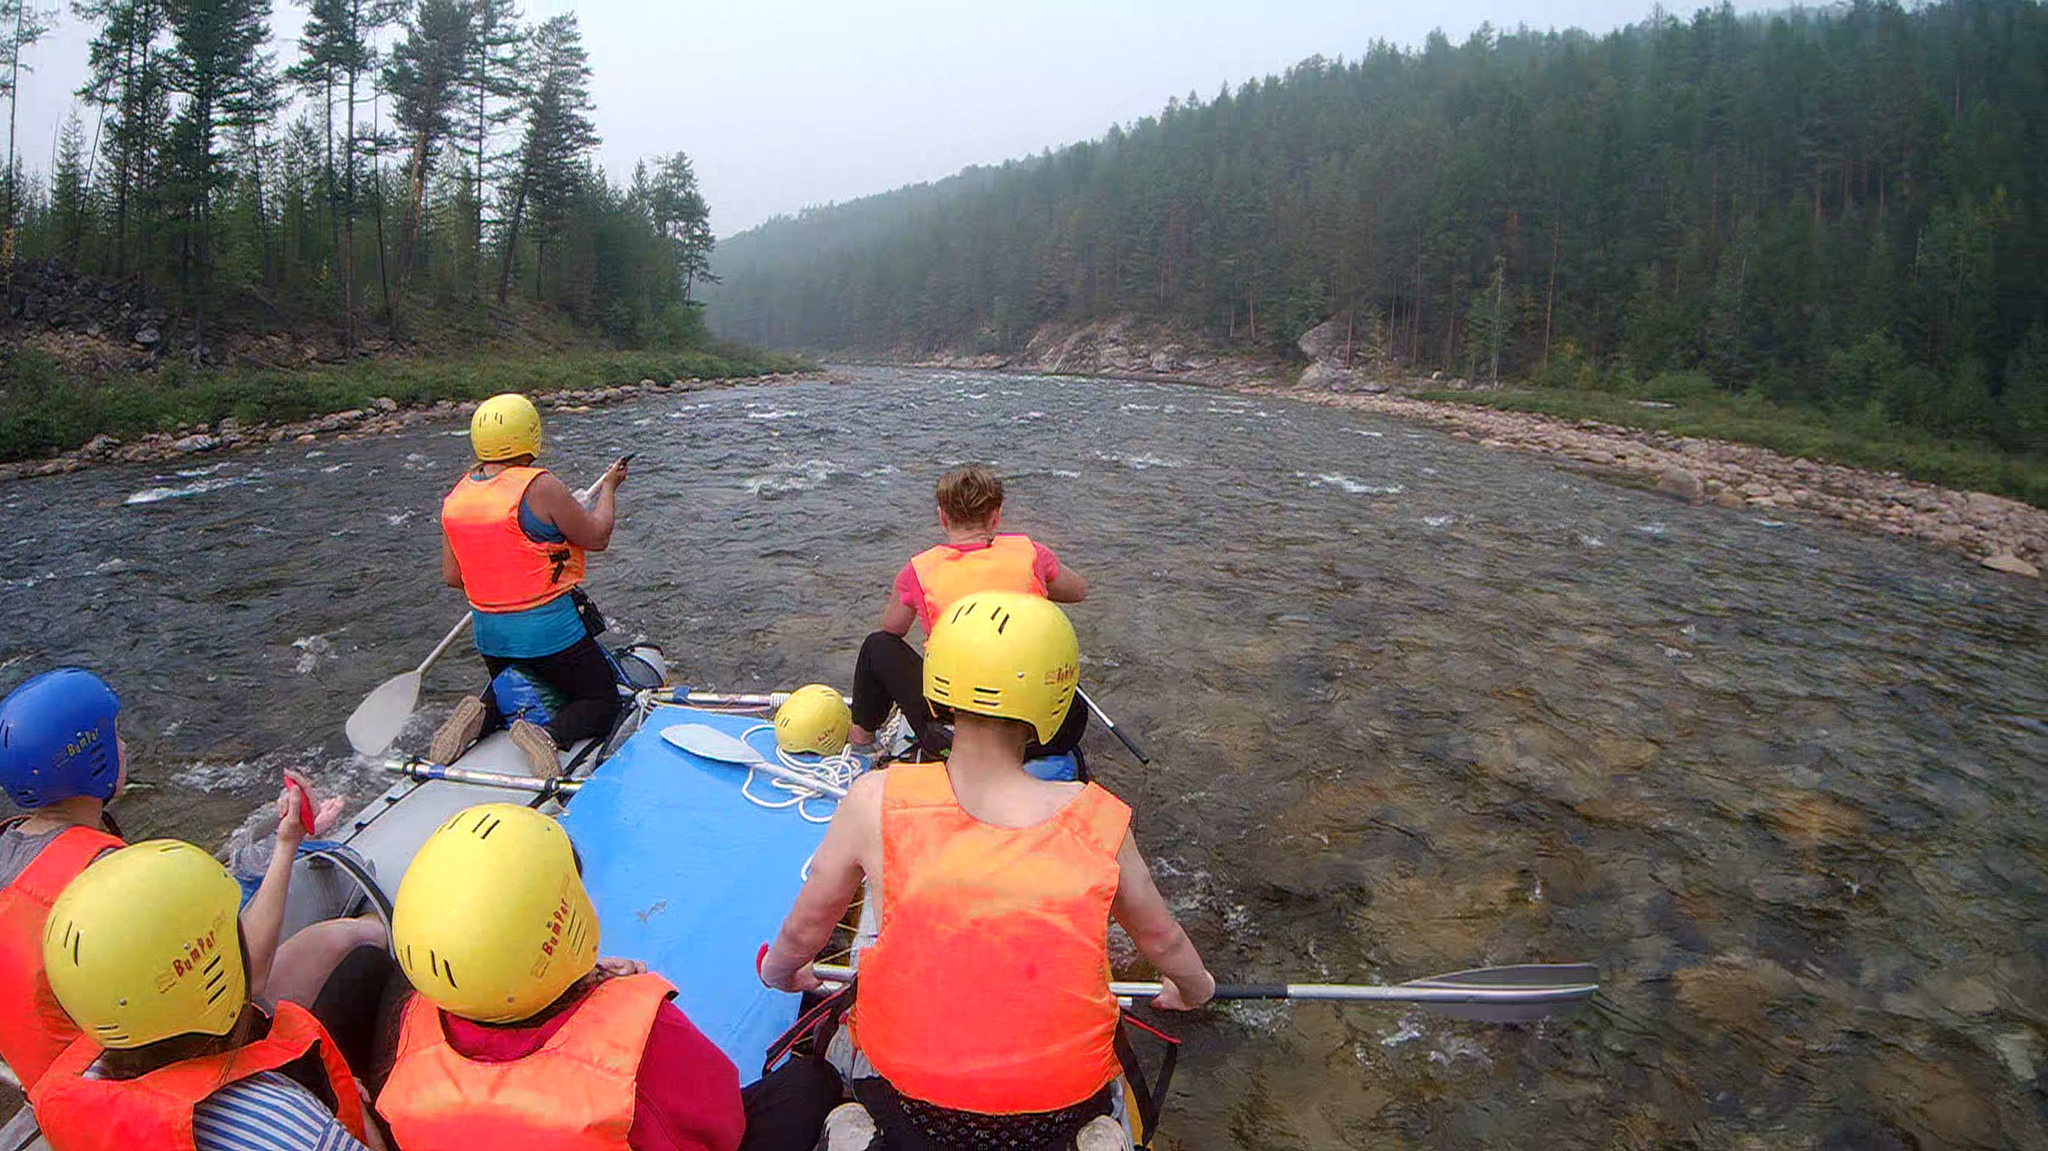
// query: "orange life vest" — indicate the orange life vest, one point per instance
point(988, 987)
point(946, 572)
point(154, 1111)
point(574, 1094)
point(504, 569)
point(33, 1028)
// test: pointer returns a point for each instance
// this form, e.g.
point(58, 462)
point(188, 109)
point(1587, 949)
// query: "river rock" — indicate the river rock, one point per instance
point(2008, 562)
point(198, 443)
point(1681, 484)
point(384, 404)
point(1727, 499)
point(147, 337)
point(99, 445)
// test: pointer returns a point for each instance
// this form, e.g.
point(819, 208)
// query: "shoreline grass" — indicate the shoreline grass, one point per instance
point(1803, 432)
point(45, 409)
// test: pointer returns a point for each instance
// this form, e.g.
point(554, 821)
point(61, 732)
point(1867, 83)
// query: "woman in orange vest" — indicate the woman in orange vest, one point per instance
point(984, 1005)
point(977, 556)
point(514, 539)
point(145, 953)
point(518, 1036)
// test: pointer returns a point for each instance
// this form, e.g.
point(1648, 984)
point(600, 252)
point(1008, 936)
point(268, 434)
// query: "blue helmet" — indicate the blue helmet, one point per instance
point(57, 739)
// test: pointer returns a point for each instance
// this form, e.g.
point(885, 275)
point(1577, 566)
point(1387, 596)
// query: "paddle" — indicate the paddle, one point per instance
point(1520, 994)
point(1113, 728)
point(688, 696)
point(382, 714)
point(710, 743)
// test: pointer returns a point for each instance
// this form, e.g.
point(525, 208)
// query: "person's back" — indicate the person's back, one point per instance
point(975, 556)
point(515, 1035)
point(985, 1002)
point(516, 541)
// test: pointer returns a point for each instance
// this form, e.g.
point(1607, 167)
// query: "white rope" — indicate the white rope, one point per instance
point(836, 772)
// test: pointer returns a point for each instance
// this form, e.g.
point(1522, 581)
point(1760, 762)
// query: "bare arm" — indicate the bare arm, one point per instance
point(836, 872)
point(588, 528)
point(263, 920)
point(1066, 587)
point(898, 616)
point(1159, 936)
point(451, 571)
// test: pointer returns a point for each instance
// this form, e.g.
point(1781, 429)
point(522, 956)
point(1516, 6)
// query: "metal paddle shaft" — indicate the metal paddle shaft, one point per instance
point(382, 714)
point(1520, 994)
point(420, 771)
point(1114, 729)
point(690, 697)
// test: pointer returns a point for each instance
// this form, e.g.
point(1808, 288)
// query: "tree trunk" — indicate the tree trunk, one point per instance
point(348, 228)
point(1550, 295)
point(512, 239)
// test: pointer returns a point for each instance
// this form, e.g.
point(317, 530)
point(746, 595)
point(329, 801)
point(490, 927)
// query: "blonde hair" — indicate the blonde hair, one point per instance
point(970, 495)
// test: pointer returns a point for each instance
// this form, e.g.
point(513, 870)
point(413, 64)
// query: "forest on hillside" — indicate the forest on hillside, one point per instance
point(406, 164)
point(1845, 208)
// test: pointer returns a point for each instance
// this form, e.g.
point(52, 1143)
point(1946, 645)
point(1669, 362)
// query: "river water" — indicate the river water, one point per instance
point(1414, 705)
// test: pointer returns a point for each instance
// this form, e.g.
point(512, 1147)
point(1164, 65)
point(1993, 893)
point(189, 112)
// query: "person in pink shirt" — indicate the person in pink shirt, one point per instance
point(977, 556)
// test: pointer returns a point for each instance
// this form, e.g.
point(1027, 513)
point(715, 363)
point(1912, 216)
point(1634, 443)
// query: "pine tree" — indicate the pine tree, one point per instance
point(21, 25)
point(680, 216)
point(217, 64)
point(126, 79)
point(492, 94)
point(70, 192)
point(424, 77)
point(559, 136)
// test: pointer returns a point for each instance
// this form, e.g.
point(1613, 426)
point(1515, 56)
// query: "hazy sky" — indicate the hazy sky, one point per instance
point(788, 103)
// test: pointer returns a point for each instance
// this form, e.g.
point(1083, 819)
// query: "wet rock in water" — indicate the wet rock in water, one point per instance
point(1728, 500)
point(1681, 484)
point(198, 443)
point(2008, 562)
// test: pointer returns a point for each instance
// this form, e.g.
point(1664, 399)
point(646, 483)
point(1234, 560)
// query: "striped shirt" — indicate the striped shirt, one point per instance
point(268, 1112)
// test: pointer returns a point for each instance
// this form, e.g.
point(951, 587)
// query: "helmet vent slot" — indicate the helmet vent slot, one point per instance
point(485, 826)
point(442, 967)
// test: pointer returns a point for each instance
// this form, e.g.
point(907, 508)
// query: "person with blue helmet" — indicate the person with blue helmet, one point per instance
point(62, 760)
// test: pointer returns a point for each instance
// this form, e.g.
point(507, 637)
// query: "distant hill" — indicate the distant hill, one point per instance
point(1845, 207)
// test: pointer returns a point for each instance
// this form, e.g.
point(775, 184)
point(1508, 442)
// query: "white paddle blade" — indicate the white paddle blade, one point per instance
point(709, 742)
point(380, 717)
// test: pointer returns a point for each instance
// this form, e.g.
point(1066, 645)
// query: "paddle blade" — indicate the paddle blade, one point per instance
point(710, 743)
point(1521, 975)
point(1563, 988)
point(380, 717)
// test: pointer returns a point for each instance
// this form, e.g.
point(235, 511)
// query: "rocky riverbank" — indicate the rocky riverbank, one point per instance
point(2003, 534)
point(382, 417)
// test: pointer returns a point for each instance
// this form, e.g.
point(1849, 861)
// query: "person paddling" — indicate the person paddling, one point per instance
point(514, 539)
point(984, 1007)
point(977, 556)
point(145, 954)
point(517, 1034)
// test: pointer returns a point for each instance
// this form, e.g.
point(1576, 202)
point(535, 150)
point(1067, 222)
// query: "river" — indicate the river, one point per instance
point(1414, 705)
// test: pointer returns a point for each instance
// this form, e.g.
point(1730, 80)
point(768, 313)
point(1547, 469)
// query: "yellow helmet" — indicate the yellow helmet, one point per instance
point(491, 921)
point(813, 718)
point(1005, 654)
point(144, 945)
point(505, 427)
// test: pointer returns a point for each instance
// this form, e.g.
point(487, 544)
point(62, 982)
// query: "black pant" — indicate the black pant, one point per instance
point(786, 1111)
point(584, 677)
point(351, 1005)
point(890, 671)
